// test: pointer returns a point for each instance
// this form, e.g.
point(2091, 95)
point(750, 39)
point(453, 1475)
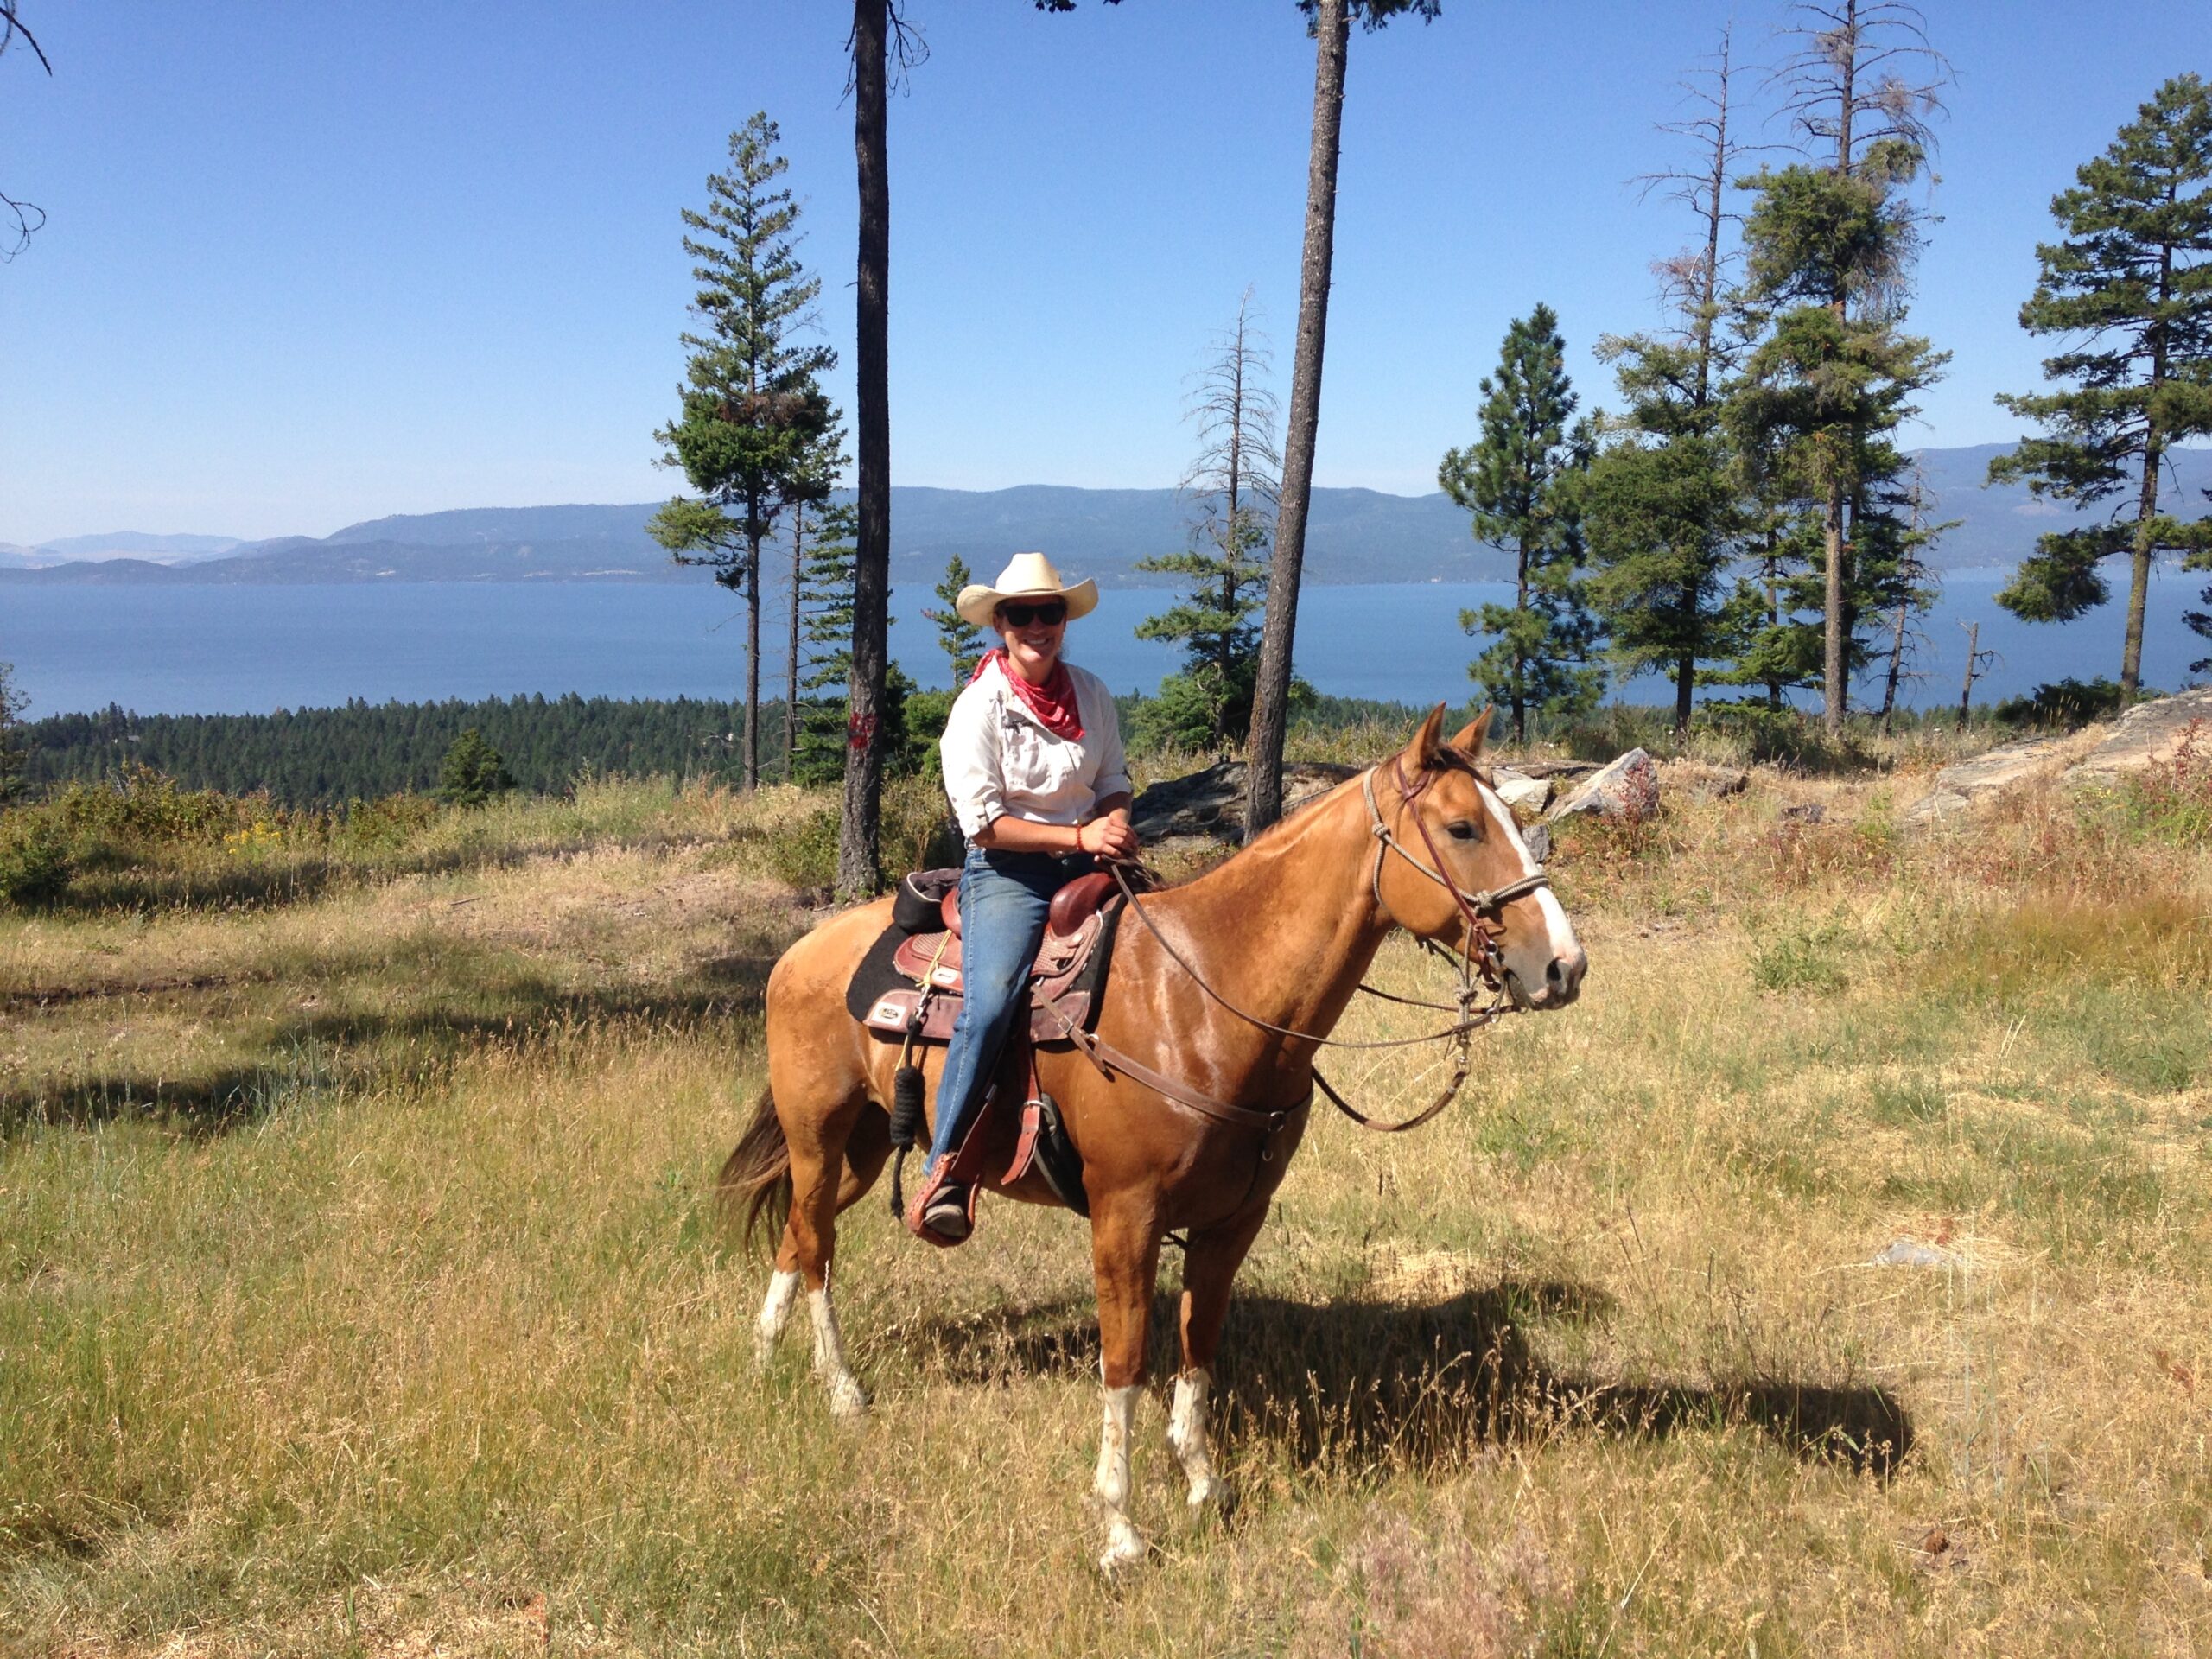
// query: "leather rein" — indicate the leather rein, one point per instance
point(1478, 961)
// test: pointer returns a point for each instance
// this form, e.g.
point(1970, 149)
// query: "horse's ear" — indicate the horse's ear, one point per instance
point(1420, 754)
point(1474, 734)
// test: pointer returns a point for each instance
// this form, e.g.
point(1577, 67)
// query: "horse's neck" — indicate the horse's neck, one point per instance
point(1286, 929)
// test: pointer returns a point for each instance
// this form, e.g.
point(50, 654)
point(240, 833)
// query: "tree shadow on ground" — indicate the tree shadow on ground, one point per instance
point(1364, 1385)
point(330, 1052)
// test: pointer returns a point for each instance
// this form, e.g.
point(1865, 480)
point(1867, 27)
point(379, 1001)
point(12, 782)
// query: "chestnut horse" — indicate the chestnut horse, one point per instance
point(1282, 931)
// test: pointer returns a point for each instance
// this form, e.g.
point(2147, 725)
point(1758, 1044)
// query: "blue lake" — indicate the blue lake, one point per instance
point(229, 649)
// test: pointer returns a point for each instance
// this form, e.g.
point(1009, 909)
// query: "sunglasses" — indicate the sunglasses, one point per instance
point(1051, 614)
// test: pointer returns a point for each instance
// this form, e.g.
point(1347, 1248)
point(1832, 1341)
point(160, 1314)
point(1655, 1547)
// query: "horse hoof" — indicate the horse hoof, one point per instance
point(848, 1400)
point(1213, 1492)
point(1125, 1549)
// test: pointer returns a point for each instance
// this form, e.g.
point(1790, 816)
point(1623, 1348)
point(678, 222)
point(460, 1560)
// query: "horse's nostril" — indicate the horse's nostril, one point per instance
point(1554, 976)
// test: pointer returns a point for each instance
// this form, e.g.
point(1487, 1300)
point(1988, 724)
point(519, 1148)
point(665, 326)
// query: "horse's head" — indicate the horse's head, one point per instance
point(1437, 802)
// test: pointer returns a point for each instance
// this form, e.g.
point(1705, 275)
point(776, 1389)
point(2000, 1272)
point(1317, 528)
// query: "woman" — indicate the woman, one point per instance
point(1034, 766)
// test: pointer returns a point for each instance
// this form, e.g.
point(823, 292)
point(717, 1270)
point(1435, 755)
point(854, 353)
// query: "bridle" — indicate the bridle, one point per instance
point(1478, 967)
point(1477, 911)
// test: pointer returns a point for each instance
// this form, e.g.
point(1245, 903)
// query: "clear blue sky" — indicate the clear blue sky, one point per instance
point(311, 264)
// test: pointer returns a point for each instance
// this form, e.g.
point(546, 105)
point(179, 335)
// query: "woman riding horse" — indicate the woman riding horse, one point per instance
point(1189, 1095)
point(1034, 766)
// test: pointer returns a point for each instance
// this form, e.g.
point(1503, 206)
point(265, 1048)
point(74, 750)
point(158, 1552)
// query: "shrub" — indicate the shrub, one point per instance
point(34, 860)
point(2066, 704)
point(806, 855)
point(147, 807)
point(918, 832)
point(1780, 736)
point(388, 821)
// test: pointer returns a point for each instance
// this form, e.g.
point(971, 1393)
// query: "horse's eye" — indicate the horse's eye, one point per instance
point(1460, 829)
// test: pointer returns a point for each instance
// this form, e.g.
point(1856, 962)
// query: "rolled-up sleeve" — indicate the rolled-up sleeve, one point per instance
point(972, 780)
point(1112, 765)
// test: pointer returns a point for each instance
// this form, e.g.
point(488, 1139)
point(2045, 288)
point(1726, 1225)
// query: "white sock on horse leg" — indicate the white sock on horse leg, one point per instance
point(775, 1313)
point(1124, 1545)
point(1188, 1426)
point(846, 1397)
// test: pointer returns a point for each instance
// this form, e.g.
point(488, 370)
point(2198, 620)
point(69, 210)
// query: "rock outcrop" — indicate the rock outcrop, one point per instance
point(2148, 733)
point(1961, 787)
point(1627, 788)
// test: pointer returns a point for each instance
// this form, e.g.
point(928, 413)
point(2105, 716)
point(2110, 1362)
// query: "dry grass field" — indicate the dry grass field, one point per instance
point(361, 1292)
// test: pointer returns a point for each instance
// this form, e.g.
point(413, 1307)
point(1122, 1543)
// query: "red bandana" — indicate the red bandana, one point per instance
point(1052, 703)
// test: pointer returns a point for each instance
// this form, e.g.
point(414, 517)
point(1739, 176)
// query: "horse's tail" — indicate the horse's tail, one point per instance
point(758, 1173)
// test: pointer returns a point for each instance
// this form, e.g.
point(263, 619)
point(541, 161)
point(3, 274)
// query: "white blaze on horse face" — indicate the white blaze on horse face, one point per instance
point(1529, 959)
point(775, 1313)
point(1124, 1545)
point(1186, 1432)
point(846, 1397)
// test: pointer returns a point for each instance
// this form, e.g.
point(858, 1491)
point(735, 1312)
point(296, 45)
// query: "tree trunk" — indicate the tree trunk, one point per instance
point(1773, 611)
point(1896, 668)
point(1965, 692)
point(1521, 662)
point(1716, 184)
point(2146, 508)
point(752, 667)
point(790, 661)
point(858, 873)
point(1685, 684)
point(1271, 692)
point(1835, 688)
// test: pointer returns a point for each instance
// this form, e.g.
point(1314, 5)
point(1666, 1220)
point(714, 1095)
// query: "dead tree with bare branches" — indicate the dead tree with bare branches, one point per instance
point(18, 219)
point(1233, 483)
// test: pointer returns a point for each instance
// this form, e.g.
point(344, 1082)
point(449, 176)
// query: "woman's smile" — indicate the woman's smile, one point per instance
point(1033, 650)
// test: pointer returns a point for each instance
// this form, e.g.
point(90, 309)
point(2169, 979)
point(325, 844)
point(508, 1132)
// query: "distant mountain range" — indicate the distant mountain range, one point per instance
point(1352, 536)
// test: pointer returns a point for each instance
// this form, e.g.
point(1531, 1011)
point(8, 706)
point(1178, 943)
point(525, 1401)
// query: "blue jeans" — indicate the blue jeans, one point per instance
point(1003, 900)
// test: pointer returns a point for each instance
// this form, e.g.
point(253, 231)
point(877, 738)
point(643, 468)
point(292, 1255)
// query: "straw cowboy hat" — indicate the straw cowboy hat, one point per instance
point(1030, 575)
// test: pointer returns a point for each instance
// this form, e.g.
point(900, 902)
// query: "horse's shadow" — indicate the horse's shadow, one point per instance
point(1359, 1384)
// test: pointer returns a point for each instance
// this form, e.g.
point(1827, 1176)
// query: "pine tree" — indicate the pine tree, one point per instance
point(1829, 381)
point(824, 716)
point(812, 482)
point(1232, 483)
point(1831, 245)
point(1521, 480)
point(753, 413)
point(2132, 284)
point(960, 640)
point(472, 771)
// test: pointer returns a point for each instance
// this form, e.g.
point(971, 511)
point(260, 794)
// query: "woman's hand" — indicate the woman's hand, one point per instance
point(1109, 837)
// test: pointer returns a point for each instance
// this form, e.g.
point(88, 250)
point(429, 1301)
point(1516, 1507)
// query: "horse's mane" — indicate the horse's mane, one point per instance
point(1447, 759)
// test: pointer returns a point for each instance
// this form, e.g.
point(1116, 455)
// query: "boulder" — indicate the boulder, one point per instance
point(1524, 797)
point(1211, 802)
point(1970, 782)
point(1803, 812)
point(2148, 733)
point(1627, 788)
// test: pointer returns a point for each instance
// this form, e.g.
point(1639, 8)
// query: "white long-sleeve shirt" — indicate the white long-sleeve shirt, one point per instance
point(999, 760)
